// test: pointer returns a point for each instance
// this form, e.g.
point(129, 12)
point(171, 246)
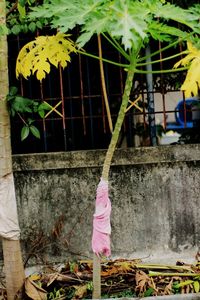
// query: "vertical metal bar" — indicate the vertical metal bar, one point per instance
point(63, 108)
point(122, 90)
point(164, 111)
point(162, 90)
point(121, 75)
point(184, 102)
point(90, 103)
point(103, 84)
point(144, 108)
point(144, 114)
point(82, 95)
point(184, 111)
point(43, 120)
point(71, 108)
point(20, 77)
point(150, 97)
point(106, 79)
point(103, 114)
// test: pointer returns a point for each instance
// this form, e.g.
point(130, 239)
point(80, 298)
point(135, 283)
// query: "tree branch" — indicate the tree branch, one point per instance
point(12, 9)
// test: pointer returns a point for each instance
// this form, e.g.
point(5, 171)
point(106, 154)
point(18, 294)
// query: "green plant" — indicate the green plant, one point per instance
point(126, 293)
point(195, 283)
point(56, 294)
point(25, 109)
point(149, 292)
point(17, 20)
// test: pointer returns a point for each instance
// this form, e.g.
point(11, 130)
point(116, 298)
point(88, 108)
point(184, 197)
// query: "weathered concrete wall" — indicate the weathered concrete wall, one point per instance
point(154, 194)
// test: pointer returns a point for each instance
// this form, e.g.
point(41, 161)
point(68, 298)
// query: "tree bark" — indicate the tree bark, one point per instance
point(9, 228)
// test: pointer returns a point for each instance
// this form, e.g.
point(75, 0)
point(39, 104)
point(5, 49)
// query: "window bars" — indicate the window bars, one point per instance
point(79, 117)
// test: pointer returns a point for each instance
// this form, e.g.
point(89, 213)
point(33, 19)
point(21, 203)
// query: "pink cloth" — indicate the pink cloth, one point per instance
point(101, 221)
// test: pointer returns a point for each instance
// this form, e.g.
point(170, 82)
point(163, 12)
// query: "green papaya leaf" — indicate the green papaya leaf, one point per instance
point(127, 21)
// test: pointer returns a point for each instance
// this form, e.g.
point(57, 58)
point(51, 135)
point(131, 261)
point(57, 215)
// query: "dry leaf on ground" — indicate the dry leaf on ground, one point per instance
point(33, 291)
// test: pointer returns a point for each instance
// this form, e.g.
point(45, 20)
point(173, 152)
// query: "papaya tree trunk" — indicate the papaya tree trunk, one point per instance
point(118, 125)
point(9, 228)
point(106, 167)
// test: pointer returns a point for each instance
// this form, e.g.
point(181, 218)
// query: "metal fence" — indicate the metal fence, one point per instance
point(78, 120)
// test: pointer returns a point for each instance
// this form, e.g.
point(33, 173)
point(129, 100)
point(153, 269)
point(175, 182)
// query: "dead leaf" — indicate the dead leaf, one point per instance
point(52, 278)
point(80, 292)
point(119, 266)
point(141, 279)
point(124, 267)
point(33, 291)
point(168, 288)
point(109, 271)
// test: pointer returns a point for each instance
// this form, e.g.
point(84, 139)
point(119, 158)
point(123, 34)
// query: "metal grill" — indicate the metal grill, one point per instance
point(79, 120)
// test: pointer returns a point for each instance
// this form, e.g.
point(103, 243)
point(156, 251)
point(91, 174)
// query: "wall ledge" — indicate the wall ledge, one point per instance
point(95, 158)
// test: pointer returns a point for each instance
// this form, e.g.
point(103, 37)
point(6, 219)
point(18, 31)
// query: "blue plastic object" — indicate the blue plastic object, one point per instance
point(179, 114)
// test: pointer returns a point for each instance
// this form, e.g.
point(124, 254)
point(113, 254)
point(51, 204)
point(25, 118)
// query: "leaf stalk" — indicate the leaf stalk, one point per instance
point(103, 59)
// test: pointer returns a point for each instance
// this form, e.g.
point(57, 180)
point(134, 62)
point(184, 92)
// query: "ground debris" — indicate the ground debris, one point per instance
point(119, 278)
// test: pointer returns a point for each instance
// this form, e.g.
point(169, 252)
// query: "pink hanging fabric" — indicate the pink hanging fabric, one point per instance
point(101, 221)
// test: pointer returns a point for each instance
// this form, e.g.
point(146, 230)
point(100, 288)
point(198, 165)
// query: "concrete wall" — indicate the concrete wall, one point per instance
point(154, 194)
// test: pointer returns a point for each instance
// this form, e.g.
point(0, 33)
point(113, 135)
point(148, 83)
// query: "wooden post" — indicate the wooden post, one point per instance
point(96, 277)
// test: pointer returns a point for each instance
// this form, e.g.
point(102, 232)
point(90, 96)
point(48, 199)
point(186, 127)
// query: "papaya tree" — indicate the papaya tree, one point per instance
point(129, 26)
point(9, 226)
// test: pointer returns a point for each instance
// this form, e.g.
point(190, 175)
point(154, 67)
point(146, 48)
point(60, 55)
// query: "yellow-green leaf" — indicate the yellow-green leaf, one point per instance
point(37, 56)
point(21, 10)
point(196, 286)
point(192, 81)
point(35, 277)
